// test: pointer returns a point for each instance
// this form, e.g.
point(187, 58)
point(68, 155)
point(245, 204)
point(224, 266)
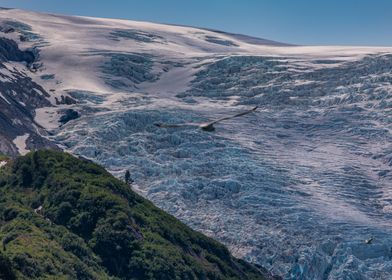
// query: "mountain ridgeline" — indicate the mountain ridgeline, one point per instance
point(67, 218)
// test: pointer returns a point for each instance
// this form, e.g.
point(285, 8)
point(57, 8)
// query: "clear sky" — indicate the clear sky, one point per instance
point(310, 22)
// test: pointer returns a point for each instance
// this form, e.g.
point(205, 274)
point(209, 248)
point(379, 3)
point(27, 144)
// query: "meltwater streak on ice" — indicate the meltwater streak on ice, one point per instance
point(296, 187)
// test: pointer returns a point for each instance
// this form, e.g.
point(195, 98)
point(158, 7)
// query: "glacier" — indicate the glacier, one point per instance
point(297, 186)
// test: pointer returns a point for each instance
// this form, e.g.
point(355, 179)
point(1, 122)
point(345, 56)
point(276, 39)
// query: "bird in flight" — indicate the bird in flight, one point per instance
point(369, 241)
point(205, 126)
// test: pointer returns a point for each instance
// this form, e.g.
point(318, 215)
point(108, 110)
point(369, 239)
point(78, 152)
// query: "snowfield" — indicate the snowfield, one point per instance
point(297, 186)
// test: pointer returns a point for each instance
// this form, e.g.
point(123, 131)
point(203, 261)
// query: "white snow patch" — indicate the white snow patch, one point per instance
point(47, 117)
point(6, 100)
point(38, 91)
point(171, 82)
point(20, 143)
point(16, 122)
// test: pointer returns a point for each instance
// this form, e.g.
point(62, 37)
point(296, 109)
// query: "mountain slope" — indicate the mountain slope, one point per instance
point(64, 217)
point(296, 186)
point(19, 98)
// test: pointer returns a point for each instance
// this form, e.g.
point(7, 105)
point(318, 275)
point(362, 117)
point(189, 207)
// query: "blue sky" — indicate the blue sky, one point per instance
point(311, 22)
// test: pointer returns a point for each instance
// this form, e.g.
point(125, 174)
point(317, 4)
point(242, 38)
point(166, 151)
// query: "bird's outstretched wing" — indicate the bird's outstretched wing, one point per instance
point(205, 126)
point(235, 116)
point(173, 125)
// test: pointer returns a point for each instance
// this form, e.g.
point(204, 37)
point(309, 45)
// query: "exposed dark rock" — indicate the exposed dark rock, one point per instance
point(8, 30)
point(65, 100)
point(19, 99)
point(9, 51)
point(68, 115)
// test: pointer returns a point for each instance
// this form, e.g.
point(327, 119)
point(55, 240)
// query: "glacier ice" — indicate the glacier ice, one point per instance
point(136, 35)
point(296, 187)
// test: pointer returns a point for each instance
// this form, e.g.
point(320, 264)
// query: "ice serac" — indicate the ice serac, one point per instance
point(297, 186)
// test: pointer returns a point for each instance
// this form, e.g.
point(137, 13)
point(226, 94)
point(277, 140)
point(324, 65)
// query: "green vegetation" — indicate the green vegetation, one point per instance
point(66, 218)
point(3, 157)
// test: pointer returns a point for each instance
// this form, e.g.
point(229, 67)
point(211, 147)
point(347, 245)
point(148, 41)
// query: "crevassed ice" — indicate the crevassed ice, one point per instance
point(297, 186)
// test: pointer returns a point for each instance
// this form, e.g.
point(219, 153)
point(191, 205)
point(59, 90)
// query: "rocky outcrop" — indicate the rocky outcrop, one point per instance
point(65, 100)
point(19, 97)
point(9, 51)
point(69, 114)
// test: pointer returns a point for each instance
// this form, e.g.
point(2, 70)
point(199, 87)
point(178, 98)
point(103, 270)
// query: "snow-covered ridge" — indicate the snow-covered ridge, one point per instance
point(65, 46)
point(297, 186)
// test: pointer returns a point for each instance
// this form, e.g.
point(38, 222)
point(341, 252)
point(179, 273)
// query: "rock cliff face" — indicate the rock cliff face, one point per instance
point(20, 96)
point(9, 51)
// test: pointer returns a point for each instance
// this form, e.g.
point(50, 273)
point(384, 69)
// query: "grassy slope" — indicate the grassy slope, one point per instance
point(3, 157)
point(93, 226)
